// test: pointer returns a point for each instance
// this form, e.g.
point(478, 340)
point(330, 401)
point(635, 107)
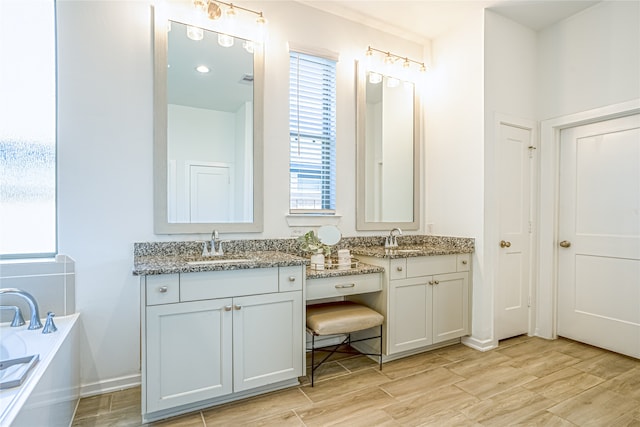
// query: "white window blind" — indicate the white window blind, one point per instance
point(312, 130)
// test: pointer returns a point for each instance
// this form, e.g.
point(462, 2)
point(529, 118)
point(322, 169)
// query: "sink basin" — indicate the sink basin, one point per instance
point(218, 261)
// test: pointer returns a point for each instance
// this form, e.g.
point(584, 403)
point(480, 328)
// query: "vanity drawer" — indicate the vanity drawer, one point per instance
point(290, 279)
point(227, 283)
point(329, 287)
point(398, 269)
point(464, 262)
point(162, 289)
point(428, 265)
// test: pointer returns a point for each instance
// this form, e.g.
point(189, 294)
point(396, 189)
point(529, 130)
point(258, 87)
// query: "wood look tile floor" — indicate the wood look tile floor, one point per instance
point(526, 381)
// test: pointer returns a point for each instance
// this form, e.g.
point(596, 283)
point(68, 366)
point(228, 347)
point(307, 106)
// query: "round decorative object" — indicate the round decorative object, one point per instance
point(329, 234)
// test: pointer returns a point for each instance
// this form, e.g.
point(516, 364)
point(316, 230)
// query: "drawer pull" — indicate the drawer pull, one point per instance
point(227, 308)
point(292, 278)
point(163, 289)
point(464, 262)
point(237, 307)
point(348, 285)
point(399, 268)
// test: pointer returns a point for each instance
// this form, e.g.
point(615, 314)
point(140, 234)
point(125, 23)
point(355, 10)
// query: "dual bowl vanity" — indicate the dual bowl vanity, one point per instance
point(221, 328)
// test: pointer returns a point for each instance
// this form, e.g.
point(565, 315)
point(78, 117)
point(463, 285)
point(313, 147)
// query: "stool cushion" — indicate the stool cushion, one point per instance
point(341, 317)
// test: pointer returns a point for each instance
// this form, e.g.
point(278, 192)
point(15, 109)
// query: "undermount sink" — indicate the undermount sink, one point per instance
point(218, 261)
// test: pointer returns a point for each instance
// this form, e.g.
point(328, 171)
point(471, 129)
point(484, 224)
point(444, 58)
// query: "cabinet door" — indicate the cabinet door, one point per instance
point(267, 339)
point(409, 318)
point(450, 306)
point(189, 353)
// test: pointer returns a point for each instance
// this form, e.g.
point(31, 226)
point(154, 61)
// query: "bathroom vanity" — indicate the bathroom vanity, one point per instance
point(216, 332)
point(226, 327)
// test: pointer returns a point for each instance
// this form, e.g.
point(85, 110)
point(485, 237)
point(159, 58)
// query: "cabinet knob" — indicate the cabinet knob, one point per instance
point(163, 289)
point(292, 278)
point(504, 244)
point(431, 282)
point(464, 262)
point(399, 268)
point(237, 307)
point(435, 282)
point(227, 308)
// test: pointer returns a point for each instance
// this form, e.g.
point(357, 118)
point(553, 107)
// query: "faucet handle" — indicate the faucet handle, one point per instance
point(205, 252)
point(49, 326)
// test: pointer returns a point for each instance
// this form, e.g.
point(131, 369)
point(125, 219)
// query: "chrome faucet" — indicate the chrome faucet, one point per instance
point(216, 245)
point(34, 323)
point(391, 241)
point(18, 320)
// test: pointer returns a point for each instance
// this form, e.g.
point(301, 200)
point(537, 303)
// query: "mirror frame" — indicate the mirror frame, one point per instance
point(361, 146)
point(160, 173)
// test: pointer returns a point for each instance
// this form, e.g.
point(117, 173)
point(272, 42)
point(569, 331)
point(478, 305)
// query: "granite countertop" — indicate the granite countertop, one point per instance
point(362, 268)
point(407, 251)
point(163, 264)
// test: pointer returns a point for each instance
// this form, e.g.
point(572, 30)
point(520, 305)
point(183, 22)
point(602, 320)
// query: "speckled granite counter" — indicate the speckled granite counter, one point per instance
point(174, 257)
point(360, 269)
point(163, 264)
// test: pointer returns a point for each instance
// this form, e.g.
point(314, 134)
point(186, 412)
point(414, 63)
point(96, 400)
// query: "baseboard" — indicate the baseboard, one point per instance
point(111, 385)
point(480, 345)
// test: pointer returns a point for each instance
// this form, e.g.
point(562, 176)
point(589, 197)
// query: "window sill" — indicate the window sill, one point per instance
point(312, 220)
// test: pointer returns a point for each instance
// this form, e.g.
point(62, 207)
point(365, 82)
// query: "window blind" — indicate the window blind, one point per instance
point(312, 124)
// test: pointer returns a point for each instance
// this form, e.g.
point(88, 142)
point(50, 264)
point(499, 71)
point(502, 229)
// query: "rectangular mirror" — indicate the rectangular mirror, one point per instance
point(388, 161)
point(208, 99)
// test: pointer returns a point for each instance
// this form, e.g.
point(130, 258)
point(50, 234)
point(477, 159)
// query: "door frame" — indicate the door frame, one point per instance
point(548, 213)
point(493, 229)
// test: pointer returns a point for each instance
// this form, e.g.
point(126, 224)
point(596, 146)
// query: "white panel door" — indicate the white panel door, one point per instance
point(267, 339)
point(210, 195)
point(514, 159)
point(599, 235)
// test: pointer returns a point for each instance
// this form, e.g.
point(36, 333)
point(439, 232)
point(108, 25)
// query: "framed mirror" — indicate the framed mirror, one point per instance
point(388, 153)
point(208, 101)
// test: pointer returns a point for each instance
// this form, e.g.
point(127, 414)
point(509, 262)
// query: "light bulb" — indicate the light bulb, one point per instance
point(200, 5)
point(248, 46)
point(261, 31)
point(392, 82)
point(406, 63)
point(195, 33)
point(225, 40)
point(388, 60)
point(231, 14)
point(369, 52)
point(213, 11)
point(375, 78)
point(422, 68)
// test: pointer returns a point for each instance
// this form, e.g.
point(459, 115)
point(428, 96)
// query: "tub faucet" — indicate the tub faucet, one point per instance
point(391, 241)
point(18, 320)
point(34, 323)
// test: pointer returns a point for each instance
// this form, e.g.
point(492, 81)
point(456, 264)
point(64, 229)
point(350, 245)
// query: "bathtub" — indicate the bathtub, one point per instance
point(49, 392)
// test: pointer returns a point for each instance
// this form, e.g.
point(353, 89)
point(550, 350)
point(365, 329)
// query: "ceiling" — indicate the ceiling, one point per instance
point(421, 20)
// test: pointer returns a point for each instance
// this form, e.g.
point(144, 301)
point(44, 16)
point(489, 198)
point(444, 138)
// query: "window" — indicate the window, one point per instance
point(27, 129)
point(312, 131)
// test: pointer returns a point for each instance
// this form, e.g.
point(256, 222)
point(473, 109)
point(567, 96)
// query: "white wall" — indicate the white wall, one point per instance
point(454, 135)
point(590, 60)
point(105, 155)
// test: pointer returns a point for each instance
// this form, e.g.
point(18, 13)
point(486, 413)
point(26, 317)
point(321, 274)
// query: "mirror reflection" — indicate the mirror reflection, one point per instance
point(388, 162)
point(209, 126)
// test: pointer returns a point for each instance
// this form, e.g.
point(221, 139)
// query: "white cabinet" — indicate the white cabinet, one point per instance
point(224, 334)
point(425, 300)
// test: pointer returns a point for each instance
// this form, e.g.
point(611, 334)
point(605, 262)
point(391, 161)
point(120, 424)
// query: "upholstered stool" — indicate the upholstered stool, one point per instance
point(341, 317)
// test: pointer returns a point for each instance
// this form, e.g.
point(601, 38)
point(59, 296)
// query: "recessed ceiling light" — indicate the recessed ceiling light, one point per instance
point(202, 69)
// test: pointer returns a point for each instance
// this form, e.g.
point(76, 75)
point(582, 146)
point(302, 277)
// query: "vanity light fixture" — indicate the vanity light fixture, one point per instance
point(225, 40)
point(392, 82)
point(195, 33)
point(391, 58)
point(213, 10)
point(375, 78)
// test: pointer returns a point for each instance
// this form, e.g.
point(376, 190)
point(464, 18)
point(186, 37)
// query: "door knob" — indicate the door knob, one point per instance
point(565, 244)
point(504, 244)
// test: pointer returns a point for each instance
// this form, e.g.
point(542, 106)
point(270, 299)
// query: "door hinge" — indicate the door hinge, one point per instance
point(530, 227)
point(531, 150)
point(529, 301)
